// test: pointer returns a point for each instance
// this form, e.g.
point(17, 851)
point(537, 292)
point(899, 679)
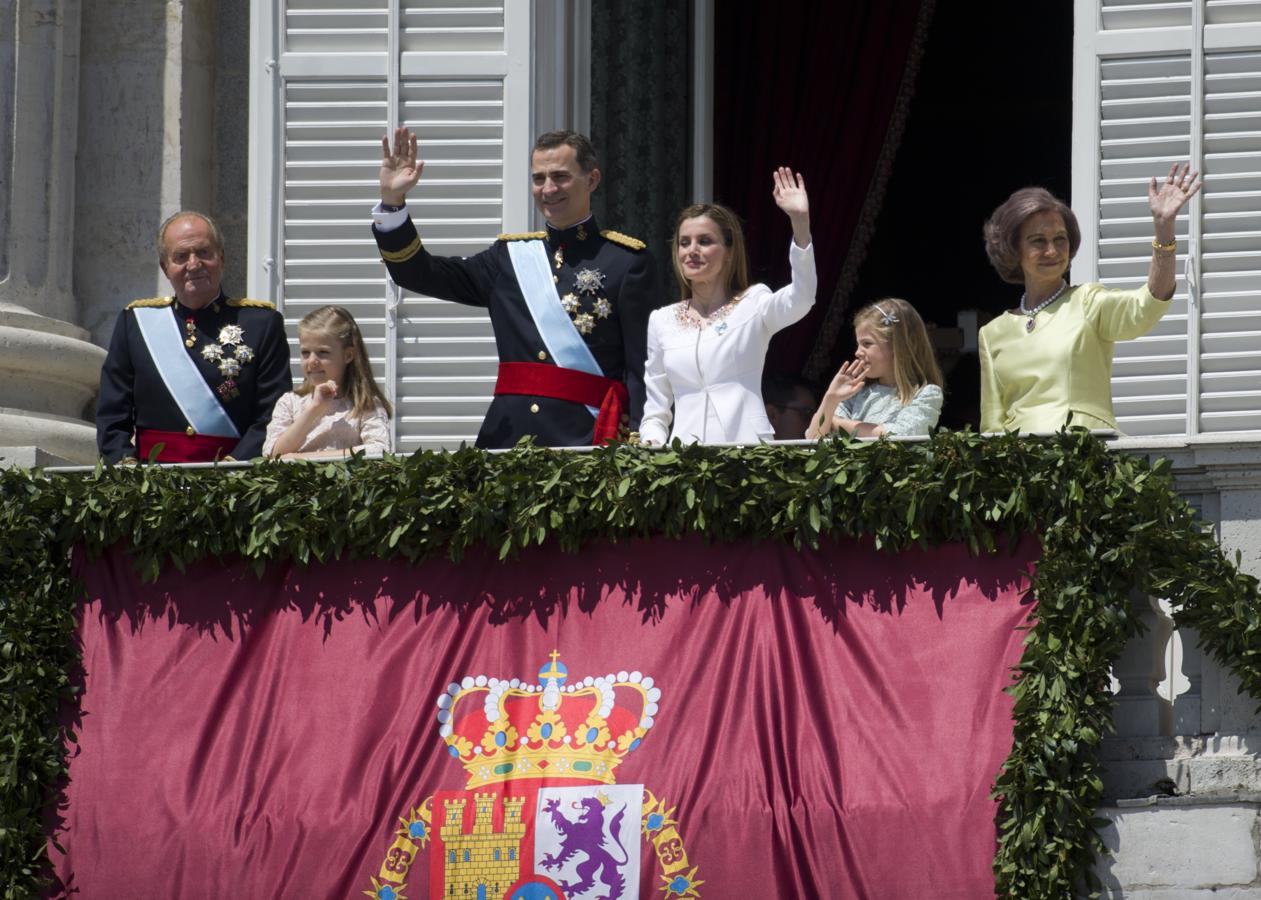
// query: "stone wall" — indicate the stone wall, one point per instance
point(1183, 772)
point(163, 125)
point(119, 114)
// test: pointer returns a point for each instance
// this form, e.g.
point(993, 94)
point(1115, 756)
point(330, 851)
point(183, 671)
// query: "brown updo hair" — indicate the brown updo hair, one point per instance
point(736, 271)
point(1002, 230)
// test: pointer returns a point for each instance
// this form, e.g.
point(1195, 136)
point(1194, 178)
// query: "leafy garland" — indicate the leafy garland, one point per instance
point(1109, 524)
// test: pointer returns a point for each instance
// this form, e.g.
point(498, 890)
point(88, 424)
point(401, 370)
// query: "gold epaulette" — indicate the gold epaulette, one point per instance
point(251, 304)
point(400, 256)
point(523, 236)
point(624, 239)
point(152, 301)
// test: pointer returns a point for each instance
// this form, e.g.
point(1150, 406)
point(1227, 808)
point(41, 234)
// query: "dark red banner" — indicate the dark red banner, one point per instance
point(653, 719)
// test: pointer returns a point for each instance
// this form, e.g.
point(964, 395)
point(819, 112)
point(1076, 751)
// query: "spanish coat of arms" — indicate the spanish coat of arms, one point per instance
point(541, 816)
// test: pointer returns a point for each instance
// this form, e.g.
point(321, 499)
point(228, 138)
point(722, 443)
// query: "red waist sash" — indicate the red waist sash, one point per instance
point(539, 380)
point(182, 447)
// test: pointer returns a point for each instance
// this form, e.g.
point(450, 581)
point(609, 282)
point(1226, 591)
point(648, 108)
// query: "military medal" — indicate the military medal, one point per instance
point(558, 258)
point(584, 323)
point(231, 353)
point(190, 332)
point(589, 281)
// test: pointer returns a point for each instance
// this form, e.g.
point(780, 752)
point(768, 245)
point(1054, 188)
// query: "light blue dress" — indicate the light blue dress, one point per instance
point(877, 404)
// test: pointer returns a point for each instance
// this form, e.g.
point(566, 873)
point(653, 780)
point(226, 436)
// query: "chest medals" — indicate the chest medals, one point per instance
point(588, 287)
point(231, 353)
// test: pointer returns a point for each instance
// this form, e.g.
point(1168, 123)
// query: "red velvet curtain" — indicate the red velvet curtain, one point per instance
point(824, 88)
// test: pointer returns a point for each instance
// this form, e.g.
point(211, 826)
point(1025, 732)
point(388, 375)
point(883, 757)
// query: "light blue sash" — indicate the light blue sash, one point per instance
point(180, 374)
point(564, 343)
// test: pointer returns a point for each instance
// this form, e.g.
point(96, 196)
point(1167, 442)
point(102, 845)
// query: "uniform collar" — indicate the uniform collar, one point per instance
point(214, 305)
point(577, 233)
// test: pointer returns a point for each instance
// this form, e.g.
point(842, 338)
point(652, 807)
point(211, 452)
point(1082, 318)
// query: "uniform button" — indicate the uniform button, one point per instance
point(189, 431)
point(542, 355)
point(534, 407)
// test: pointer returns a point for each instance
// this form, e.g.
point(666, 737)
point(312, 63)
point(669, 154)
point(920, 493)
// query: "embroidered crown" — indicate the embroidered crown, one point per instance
point(507, 730)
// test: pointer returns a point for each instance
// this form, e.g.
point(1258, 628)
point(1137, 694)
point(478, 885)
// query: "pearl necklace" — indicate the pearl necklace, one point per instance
point(1041, 306)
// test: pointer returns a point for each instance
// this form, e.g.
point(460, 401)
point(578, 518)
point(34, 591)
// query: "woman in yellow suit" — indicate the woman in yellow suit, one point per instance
point(1051, 358)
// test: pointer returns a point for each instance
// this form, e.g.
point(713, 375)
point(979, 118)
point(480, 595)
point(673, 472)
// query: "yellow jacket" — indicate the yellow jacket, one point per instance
point(1032, 380)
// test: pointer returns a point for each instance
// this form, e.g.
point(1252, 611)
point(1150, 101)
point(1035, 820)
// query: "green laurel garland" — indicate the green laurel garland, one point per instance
point(1109, 524)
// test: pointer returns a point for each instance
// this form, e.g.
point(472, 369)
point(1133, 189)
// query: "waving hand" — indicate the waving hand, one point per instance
point(790, 196)
point(400, 170)
point(1167, 197)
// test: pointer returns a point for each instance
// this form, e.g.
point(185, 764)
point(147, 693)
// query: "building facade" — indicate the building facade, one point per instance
point(268, 116)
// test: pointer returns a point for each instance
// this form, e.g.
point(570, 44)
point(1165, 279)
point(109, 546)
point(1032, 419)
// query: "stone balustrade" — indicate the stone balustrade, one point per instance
point(1183, 770)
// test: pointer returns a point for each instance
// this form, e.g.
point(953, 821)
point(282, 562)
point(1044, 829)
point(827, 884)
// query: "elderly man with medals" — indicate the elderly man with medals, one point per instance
point(569, 305)
point(193, 377)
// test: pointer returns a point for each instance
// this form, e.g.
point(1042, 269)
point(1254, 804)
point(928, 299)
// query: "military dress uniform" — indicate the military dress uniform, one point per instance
point(239, 350)
point(605, 284)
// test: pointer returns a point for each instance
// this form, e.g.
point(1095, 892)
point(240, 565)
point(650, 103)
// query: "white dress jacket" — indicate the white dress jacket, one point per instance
point(713, 376)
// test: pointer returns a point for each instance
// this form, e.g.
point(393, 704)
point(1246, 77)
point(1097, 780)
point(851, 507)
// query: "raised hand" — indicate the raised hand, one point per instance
point(400, 170)
point(790, 196)
point(1167, 197)
point(325, 392)
point(848, 381)
point(790, 192)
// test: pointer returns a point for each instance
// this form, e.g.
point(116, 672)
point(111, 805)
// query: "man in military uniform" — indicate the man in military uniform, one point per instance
point(569, 305)
point(197, 373)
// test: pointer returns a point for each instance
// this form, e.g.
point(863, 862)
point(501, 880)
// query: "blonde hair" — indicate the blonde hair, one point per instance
point(896, 323)
point(737, 269)
point(360, 387)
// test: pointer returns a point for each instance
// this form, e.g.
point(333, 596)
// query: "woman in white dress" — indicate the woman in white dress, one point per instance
point(705, 353)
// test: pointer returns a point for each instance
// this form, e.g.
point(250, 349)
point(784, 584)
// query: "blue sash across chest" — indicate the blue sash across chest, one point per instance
point(180, 374)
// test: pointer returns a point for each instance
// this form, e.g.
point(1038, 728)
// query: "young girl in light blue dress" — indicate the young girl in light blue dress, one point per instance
point(893, 384)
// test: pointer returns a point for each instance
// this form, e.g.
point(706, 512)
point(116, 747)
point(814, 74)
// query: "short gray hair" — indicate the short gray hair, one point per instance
point(215, 234)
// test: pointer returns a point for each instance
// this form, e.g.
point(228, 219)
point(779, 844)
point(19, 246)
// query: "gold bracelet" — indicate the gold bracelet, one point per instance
point(1170, 247)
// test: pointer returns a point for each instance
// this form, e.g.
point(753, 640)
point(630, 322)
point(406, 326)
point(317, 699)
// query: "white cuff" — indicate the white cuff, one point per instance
point(388, 221)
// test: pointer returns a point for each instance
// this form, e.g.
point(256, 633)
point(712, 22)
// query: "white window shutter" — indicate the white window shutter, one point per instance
point(1230, 311)
point(1145, 122)
point(338, 74)
point(1155, 82)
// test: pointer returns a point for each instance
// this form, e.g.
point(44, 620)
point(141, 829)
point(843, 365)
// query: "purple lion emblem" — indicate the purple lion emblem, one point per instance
point(587, 836)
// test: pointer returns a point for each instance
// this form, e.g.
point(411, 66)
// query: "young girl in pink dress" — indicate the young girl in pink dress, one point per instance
point(339, 408)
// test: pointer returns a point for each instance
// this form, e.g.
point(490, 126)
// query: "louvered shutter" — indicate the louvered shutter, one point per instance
point(1157, 82)
point(342, 74)
point(1145, 121)
point(1230, 308)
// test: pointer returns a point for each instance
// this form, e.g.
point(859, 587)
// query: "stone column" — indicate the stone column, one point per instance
point(49, 371)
